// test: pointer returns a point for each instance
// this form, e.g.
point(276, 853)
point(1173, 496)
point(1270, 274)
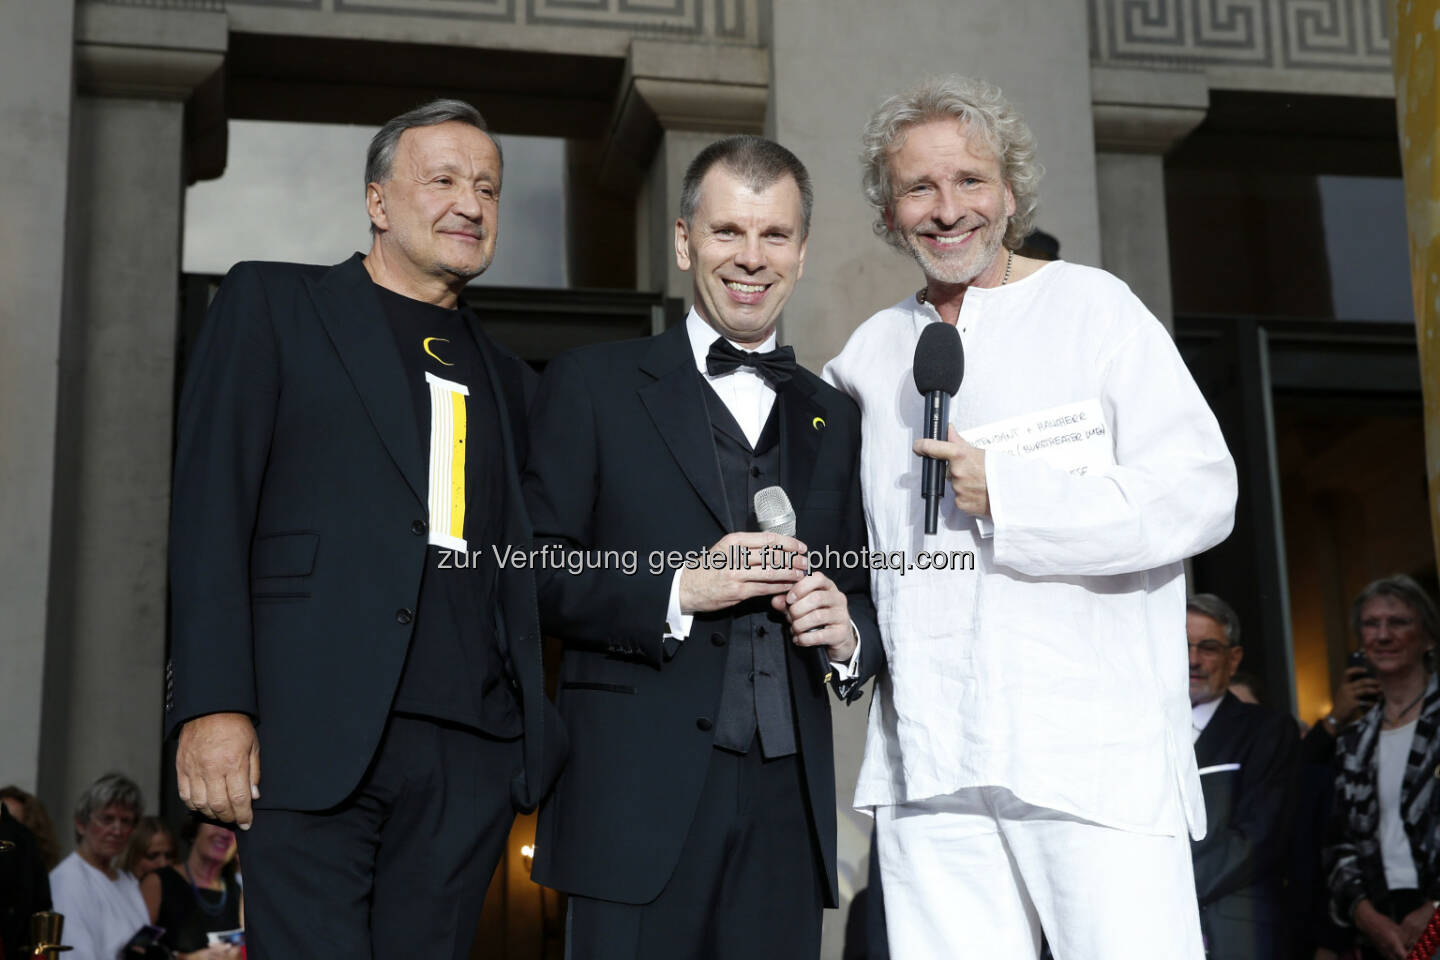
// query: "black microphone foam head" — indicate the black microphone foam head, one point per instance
point(939, 359)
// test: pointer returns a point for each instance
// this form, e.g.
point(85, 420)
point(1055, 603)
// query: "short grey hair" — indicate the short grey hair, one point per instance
point(380, 157)
point(113, 789)
point(986, 112)
point(757, 162)
point(1405, 589)
point(1218, 610)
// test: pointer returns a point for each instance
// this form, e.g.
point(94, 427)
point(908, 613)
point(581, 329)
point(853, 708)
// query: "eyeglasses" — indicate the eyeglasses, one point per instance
point(108, 820)
point(1209, 648)
point(1371, 624)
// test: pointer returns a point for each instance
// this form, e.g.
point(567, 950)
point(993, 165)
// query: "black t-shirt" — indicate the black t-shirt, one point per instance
point(455, 667)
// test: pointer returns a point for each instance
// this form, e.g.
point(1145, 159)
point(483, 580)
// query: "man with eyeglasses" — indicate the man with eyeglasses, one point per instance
point(1247, 757)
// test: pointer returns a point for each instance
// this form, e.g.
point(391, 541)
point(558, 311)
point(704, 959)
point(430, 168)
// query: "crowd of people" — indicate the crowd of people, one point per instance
point(1324, 846)
point(124, 891)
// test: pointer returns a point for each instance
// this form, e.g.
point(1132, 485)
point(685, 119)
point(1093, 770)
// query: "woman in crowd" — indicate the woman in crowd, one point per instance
point(1383, 859)
point(100, 901)
point(28, 809)
point(197, 896)
point(152, 846)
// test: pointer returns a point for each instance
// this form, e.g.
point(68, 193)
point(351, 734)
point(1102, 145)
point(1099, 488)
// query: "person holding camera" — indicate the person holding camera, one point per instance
point(1383, 858)
point(198, 896)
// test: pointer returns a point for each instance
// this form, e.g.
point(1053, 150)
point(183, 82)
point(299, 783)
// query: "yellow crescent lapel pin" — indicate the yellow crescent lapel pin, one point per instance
point(426, 344)
point(818, 423)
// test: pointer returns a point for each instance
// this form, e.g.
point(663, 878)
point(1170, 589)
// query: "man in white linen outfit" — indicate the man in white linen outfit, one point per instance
point(1028, 757)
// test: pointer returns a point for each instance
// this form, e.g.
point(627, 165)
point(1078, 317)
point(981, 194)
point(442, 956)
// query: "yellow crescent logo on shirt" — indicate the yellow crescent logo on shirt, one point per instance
point(426, 344)
point(818, 423)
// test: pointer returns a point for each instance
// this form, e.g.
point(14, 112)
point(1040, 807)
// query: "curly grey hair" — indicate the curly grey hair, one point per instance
point(984, 108)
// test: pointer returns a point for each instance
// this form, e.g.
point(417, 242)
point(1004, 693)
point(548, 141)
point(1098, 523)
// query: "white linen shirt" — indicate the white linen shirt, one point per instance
point(1056, 668)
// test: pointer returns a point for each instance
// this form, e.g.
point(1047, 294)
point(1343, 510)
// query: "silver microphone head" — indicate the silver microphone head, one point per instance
point(773, 511)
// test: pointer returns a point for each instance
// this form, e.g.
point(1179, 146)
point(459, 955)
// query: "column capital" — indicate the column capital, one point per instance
point(1140, 110)
point(154, 53)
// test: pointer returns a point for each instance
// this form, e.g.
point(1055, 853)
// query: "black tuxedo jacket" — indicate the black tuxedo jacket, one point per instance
point(622, 457)
point(299, 529)
point(1248, 758)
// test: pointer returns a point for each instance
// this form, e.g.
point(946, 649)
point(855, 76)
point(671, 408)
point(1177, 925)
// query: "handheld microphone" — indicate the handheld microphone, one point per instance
point(939, 368)
point(776, 515)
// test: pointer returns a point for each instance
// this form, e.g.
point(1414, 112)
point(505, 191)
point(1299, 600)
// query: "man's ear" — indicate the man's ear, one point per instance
point(800, 266)
point(1237, 654)
point(375, 206)
point(1009, 201)
point(682, 245)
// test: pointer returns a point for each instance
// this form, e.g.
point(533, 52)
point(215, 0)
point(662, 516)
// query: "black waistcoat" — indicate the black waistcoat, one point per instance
point(756, 691)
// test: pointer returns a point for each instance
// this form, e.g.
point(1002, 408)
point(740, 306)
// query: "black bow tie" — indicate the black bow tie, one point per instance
point(775, 367)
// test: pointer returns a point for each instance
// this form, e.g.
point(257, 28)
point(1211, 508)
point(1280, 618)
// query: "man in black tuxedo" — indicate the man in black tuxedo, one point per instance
point(348, 450)
point(697, 815)
point(1248, 757)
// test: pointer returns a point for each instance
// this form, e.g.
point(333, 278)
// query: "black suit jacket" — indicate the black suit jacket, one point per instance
point(1252, 756)
point(24, 884)
point(622, 457)
point(299, 529)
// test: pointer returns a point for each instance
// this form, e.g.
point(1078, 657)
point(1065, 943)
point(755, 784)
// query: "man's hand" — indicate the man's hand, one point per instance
point(819, 615)
point(1358, 693)
point(1414, 925)
point(217, 767)
point(1383, 932)
point(966, 472)
point(768, 564)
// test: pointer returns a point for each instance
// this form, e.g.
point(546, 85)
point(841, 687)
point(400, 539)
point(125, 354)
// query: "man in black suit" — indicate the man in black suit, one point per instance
point(348, 450)
point(697, 815)
point(1248, 757)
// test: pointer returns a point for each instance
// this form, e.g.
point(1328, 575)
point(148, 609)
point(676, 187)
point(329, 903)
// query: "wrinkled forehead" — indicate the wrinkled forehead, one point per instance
point(451, 142)
point(978, 139)
point(725, 191)
point(1388, 604)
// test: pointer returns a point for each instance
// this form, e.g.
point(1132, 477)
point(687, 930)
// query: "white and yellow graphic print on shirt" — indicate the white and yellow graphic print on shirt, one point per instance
point(447, 462)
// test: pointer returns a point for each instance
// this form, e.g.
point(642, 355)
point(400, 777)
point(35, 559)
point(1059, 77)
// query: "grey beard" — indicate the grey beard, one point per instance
point(958, 272)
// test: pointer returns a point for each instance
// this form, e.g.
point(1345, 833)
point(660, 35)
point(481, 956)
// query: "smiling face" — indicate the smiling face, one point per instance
point(214, 843)
point(1391, 634)
point(436, 215)
point(746, 249)
point(951, 204)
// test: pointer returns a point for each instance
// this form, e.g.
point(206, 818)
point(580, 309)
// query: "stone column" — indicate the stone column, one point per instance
point(1139, 115)
point(675, 99)
point(105, 653)
point(35, 100)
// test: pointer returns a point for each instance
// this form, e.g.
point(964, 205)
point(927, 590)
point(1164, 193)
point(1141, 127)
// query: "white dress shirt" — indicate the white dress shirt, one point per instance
point(1055, 668)
point(749, 398)
point(1200, 716)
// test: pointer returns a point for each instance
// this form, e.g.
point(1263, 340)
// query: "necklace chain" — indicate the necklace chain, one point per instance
point(1411, 706)
point(207, 907)
point(1009, 262)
